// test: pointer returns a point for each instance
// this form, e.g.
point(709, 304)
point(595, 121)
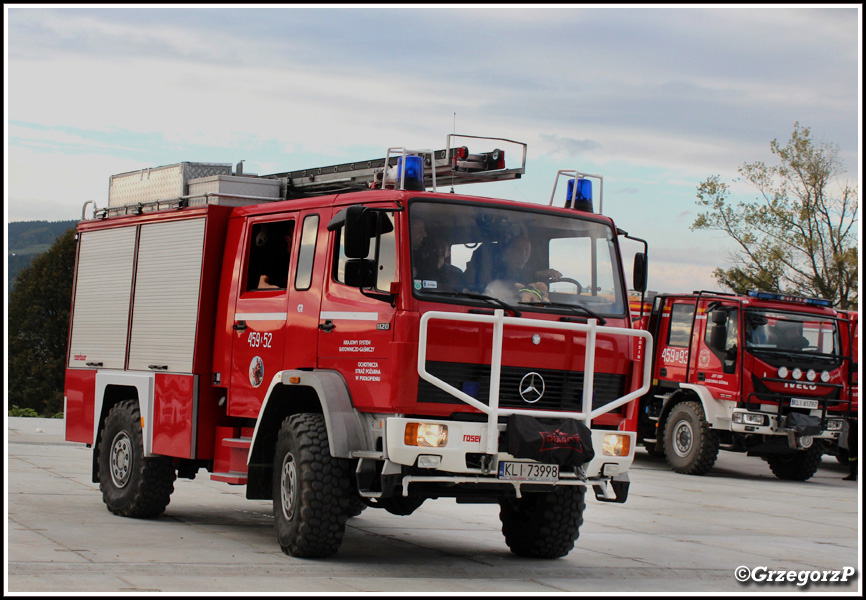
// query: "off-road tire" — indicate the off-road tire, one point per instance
point(691, 447)
point(543, 525)
point(131, 485)
point(312, 490)
point(797, 466)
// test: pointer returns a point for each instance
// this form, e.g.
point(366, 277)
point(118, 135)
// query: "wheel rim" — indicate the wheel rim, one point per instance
point(288, 485)
point(120, 459)
point(683, 438)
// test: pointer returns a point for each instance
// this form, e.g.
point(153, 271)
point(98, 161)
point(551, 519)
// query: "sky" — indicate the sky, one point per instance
point(656, 99)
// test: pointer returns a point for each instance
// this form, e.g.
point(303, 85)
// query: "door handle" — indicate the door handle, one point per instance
point(327, 326)
point(239, 326)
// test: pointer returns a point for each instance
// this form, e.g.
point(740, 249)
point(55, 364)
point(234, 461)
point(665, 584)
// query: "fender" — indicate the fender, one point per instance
point(717, 412)
point(144, 385)
point(346, 432)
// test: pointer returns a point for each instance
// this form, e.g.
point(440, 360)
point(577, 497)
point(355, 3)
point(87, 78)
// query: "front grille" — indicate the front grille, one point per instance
point(563, 390)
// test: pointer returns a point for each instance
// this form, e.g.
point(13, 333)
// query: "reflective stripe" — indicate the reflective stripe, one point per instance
point(261, 316)
point(349, 316)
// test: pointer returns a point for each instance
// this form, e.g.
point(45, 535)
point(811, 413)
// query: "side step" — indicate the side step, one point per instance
point(232, 447)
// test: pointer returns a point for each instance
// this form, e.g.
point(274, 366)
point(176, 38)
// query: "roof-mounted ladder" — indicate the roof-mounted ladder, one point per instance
point(451, 166)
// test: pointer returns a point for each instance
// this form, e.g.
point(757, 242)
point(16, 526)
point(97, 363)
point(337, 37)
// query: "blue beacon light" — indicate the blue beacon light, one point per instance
point(583, 198)
point(414, 176)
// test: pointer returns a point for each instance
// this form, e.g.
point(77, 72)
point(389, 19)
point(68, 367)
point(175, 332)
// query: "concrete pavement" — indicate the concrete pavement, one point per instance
point(676, 533)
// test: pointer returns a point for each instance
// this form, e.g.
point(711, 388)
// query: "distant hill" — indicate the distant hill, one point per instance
point(27, 239)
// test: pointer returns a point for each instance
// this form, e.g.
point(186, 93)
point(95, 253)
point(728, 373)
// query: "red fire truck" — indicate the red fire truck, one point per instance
point(766, 374)
point(351, 336)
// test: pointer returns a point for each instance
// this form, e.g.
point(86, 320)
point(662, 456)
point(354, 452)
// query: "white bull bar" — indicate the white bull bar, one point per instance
point(499, 320)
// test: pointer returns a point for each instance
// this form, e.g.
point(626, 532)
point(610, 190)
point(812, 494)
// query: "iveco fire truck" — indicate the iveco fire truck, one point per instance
point(766, 374)
point(355, 336)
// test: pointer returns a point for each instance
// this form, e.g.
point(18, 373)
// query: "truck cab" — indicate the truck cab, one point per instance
point(765, 374)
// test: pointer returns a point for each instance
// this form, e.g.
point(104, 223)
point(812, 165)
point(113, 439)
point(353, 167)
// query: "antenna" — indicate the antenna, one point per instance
point(454, 131)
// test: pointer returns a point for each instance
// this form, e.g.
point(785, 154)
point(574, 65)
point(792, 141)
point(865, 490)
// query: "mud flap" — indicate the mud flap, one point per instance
point(615, 491)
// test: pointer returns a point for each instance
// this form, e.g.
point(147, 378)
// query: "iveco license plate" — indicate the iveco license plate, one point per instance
point(520, 471)
point(803, 403)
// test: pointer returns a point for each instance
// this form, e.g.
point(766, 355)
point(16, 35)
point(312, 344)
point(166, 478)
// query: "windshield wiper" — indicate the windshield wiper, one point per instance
point(592, 314)
point(794, 353)
point(474, 296)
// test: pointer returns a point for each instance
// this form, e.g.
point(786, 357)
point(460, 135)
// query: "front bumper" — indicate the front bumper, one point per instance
point(457, 462)
point(750, 422)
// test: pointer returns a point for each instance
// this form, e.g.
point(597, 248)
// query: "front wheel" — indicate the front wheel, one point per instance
point(796, 466)
point(543, 525)
point(131, 485)
point(691, 447)
point(312, 492)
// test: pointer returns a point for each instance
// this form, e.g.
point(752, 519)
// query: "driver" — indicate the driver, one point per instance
point(510, 269)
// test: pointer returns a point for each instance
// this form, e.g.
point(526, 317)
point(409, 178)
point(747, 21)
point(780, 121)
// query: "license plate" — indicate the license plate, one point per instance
point(520, 471)
point(803, 403)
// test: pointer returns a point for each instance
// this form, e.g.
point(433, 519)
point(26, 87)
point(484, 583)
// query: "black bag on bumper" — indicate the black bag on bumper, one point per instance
point(804, 424)
point(567, 443)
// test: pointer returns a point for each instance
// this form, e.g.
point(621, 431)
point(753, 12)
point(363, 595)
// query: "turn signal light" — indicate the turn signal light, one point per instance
point(428, 435)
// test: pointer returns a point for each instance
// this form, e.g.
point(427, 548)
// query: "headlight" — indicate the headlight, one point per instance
point(616, 445)
point(811, 374)
point(796, 373)
point(783, 372)
point(825, 376)
point(749, 419)
point(429, 435)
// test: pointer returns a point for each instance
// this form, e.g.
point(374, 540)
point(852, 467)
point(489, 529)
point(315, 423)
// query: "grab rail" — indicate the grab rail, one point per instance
point(499, 320)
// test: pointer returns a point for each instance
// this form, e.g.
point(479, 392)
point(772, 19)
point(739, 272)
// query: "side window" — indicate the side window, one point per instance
point(681, 325)
point(384, 247)
point(270, 246)
point(309, 233)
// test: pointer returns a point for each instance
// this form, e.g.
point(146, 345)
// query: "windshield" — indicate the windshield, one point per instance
point(522, 258)
point(786, 332)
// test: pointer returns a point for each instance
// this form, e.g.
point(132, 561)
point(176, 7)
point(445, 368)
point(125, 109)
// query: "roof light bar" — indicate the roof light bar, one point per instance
point(787, 298)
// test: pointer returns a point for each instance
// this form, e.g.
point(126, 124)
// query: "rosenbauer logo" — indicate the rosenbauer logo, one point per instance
point(556, 440)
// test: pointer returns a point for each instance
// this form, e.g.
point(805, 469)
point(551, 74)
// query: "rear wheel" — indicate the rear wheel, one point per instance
point(796, 466)
point(131, 485)
point(691, 447)
point(312, 492)
point(543, 525)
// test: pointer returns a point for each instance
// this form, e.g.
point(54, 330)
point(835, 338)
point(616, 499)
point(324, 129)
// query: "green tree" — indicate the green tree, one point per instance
point(38, 314)
point(799, 236)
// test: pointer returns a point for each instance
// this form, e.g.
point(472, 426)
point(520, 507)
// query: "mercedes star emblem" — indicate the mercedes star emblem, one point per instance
point(532, 387)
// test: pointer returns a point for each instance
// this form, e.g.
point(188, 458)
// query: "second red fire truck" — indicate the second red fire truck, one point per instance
point(765, 374)
point(350, 336)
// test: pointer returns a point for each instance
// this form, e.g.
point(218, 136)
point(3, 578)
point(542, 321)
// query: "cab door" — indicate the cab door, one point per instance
point(259, 320)
point(718, 348)
point(673, 340)
point(356, 327)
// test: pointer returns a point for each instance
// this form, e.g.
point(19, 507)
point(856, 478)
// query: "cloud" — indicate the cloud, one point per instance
point(656, 99)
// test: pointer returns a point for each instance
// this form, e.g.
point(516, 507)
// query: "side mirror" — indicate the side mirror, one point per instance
point(720, 317)
point(360, 273)
point(357, 233)
point(639, 276)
